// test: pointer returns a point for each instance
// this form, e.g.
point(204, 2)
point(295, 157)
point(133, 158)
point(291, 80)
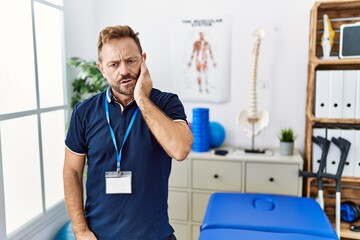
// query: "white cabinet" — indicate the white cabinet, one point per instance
point(272, 178)
point(216, 175)
point(178, 201)
point(193, 180)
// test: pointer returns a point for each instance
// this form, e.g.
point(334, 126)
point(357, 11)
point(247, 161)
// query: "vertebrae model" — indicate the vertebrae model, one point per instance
point(251, 120)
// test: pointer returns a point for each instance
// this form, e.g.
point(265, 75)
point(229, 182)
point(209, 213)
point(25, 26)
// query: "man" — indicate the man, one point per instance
point(202, 51)
point(130, 133)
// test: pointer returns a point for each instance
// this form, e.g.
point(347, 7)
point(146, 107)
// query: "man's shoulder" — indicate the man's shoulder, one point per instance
point(164, 99)
point(89, 102)
point(158, 94)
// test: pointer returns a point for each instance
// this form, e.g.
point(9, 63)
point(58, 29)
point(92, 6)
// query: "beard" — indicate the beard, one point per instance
point(127, 89)
point(124, 90)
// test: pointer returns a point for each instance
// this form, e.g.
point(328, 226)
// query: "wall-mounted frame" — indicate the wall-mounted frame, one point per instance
point(201, 58)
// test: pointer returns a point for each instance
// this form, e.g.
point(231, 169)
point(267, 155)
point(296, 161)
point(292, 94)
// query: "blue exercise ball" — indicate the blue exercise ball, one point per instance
point(217, 134)
point(65, 232)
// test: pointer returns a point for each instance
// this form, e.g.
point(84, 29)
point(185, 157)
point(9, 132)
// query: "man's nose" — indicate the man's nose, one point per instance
point(123, 68)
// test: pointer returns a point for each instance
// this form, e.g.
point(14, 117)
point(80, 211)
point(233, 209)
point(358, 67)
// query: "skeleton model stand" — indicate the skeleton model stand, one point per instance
point(254, 121)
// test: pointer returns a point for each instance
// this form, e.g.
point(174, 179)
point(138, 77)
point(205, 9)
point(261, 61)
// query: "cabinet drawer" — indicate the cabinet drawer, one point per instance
point(182, 231)
point(199, 204)
point(179, 174)
point(178, 205)
point(216, 175)
point(272, 178)
point(195, 232)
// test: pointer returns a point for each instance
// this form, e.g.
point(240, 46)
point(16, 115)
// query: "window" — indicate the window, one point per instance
point(33, 109)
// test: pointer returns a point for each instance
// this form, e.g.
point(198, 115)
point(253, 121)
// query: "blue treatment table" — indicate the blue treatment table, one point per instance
point(264, 216)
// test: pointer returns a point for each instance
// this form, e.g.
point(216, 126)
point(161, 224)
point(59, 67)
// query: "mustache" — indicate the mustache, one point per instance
point(127, 77)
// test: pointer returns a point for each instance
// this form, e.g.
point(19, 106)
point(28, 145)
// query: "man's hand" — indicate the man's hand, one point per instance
point(144, 83)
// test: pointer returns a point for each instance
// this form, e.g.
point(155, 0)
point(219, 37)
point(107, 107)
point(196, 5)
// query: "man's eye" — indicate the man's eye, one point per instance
point(112, 65)
point(131, 61)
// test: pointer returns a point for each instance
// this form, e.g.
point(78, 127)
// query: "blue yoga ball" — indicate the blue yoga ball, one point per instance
point(65, 232)
point(217, 134)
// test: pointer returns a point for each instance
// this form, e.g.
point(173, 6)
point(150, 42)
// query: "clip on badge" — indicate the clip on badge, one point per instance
point(118, 183)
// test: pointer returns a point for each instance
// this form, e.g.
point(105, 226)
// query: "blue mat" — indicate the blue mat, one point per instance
point(271, 216)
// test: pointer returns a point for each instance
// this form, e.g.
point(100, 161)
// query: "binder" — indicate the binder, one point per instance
point(316, 149)
point(357, 104)
point(349, 93)
point(357, 154)
point(349, 134)
point(336, 90)
point(322, 92)
point(334, 153)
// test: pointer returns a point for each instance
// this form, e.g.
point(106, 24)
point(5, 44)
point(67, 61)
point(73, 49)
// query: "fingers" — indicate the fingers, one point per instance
point(144, 84)
point(143, 60)
point(144, 69)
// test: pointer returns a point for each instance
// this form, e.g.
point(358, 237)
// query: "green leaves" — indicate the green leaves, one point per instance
point(88, 82)
point(287, 135)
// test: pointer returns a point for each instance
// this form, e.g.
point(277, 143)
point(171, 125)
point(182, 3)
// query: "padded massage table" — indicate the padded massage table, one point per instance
point(231, 216)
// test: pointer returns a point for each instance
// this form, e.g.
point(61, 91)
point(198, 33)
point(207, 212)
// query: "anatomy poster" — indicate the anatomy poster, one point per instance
point(201, 58)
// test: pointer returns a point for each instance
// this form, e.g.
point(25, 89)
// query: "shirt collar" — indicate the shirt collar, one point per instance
point(110, 96)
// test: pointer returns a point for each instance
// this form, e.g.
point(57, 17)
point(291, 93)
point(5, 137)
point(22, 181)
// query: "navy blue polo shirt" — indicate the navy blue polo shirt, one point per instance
point(143, 213)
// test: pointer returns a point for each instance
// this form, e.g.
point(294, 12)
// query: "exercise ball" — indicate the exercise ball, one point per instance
point(217, 134)
point(65, 232)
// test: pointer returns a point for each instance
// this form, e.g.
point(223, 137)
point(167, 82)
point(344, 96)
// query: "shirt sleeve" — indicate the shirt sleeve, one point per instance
point(171, 105)
point(75, 138)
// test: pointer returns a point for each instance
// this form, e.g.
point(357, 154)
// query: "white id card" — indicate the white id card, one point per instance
point(118, 182)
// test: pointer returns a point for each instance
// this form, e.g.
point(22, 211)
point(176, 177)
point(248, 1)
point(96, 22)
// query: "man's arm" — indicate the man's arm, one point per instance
point(174, 136)
point(73, 189)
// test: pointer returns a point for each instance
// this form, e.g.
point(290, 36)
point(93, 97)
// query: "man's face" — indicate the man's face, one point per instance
point(120, 64)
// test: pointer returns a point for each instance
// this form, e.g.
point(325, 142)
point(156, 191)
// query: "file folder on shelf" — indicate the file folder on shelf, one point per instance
point(349, 94)
point(357, 104)
point(336, 92)
point(349, 134)
point(357, 154)
point(322, 94)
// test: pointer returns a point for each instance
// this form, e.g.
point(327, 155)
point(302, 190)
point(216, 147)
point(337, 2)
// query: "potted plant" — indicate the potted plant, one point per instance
point(88, 82)
point(287, 137)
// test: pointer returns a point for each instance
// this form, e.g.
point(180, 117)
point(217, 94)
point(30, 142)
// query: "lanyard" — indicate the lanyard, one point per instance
point(118, 152)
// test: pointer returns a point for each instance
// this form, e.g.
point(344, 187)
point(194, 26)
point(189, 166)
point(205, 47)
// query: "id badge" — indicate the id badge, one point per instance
point(118, 183)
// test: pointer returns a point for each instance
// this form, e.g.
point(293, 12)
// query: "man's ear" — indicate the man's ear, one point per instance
point(99, 66)
point(144, 56)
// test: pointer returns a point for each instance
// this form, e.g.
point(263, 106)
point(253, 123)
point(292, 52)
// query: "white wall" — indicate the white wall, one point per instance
point(282, 72)
point(80, 35)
